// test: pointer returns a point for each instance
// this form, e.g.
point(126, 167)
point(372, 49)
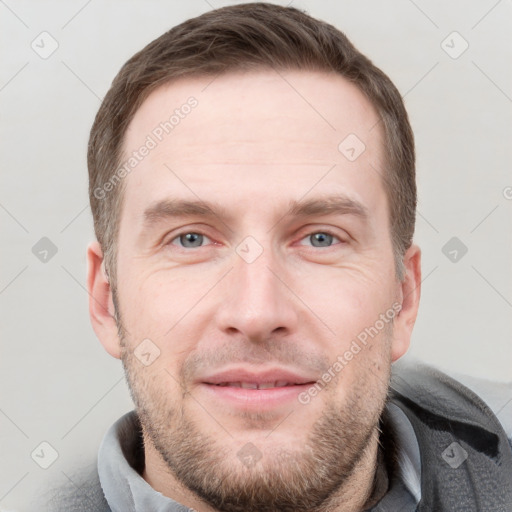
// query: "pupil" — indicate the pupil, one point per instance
point(321, 239)
point(191, 239)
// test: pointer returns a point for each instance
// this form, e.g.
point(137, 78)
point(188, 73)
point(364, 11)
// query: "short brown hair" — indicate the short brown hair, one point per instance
point(244, 37)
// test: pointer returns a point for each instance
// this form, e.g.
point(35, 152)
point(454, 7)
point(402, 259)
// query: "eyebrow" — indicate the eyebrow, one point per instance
point(175, 208)
point(341, 205)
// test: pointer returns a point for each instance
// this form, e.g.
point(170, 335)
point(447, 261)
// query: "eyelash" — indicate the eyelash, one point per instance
point(324, 232)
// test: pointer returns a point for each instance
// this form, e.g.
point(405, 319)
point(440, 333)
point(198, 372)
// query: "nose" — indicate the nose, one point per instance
point(257, 302)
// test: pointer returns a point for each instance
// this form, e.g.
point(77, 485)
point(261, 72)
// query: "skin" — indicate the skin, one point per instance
point(253, 144)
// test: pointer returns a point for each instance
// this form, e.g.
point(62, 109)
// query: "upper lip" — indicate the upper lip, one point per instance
point(258, 377)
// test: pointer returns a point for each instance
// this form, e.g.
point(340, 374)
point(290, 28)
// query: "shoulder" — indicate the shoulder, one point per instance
point(425, 384)
point(457, 427)
point(497, 395)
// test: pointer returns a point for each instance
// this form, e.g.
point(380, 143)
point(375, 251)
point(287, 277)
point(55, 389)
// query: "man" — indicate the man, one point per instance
point(253, 190)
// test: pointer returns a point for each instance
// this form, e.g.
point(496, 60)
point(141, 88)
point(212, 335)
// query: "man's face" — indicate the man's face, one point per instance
point(248, 305)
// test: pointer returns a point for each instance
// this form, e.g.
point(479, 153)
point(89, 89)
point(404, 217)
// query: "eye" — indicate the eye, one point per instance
point(321, 239)
point(189, 240)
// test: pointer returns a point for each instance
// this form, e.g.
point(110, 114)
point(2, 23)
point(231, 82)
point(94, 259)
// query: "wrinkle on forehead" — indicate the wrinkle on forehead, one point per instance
point(260, 117)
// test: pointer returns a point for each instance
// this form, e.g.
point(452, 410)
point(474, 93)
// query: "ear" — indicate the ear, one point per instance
point(101, 306)
point(409, 296)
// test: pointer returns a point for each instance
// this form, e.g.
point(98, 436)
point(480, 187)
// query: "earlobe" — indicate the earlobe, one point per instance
point(409, 296)
point(101, 307)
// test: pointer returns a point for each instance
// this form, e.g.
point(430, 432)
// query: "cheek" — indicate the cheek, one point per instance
point(348, 300)
point(158, 335)
point(152, 307)
point(151, 384)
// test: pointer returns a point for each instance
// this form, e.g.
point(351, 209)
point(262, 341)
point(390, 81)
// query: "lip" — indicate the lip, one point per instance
point(214, 386)
point(258, 377)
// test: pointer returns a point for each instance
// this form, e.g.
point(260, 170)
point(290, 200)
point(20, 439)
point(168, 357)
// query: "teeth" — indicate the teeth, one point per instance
point(249, 385)
point(254, 385)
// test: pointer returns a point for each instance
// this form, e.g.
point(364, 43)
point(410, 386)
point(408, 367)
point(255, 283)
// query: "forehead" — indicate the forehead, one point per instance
point(261, 133)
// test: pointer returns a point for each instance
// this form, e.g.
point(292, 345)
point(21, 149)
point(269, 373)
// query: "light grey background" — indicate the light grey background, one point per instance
point(57, 383)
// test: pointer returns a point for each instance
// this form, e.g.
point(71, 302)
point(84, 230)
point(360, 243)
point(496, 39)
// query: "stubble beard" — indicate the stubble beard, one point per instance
point(310, 478)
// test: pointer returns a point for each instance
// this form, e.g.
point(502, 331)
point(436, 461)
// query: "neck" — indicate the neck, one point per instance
point(353, 496)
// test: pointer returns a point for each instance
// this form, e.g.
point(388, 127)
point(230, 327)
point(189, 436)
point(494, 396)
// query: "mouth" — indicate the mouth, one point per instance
point(256, 385)
point(255, 391)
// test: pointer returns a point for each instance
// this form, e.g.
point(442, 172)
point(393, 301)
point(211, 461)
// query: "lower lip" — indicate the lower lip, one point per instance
point(255, 399)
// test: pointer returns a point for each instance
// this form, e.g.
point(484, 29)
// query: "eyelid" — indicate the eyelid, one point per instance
point(319, 227)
